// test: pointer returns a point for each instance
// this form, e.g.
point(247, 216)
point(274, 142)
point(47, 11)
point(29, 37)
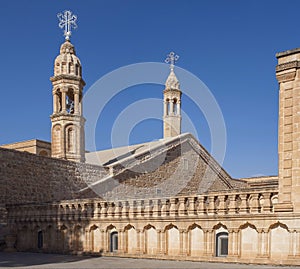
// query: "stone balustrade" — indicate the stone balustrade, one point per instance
point(230, 203)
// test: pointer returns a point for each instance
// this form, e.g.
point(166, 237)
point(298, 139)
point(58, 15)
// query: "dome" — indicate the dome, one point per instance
point(67, 47)
point(67, 63)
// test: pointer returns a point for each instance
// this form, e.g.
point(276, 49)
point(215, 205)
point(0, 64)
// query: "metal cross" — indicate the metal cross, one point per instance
point(172, 58)
point(67, 20)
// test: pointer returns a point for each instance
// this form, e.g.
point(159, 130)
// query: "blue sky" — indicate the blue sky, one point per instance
point(230, 45)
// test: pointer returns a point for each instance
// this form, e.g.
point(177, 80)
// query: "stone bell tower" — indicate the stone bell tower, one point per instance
point(288, 76)
point(67, 133)
point(172, 101)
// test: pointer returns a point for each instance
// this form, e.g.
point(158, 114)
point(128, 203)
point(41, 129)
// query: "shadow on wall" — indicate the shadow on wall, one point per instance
point(3, 232)
point(18, 259)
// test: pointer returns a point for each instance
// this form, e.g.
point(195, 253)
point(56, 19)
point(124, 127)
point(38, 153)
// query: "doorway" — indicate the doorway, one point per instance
point(222, 244)
point(40, 240)
point(113, 241)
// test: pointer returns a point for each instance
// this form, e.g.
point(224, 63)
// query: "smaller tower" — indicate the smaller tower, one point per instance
point(67, 134)
point(172, 101)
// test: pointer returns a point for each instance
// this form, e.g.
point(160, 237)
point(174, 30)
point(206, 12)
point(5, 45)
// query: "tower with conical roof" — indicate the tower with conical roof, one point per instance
point(172, 101)
point(67, 132)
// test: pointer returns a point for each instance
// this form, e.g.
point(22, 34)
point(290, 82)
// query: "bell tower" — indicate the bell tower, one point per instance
point(288, 76)
point(172, 101)
point(67, 132)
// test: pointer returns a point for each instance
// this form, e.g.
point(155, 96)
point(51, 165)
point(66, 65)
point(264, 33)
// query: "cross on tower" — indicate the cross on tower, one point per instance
point(67, 20)
point(172, 58)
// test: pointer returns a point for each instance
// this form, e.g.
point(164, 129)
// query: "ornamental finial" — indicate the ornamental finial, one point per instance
point(172, 58)
point(67, 20)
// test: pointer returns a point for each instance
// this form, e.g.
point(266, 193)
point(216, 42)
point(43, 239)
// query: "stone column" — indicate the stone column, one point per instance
point(222, 206)
point(201, 208)
point(88, 241)
point(292, 244)
point(182, 207)
point(254, 208)
point(243, 206)
point(267, 205)
point(230, 243)
point(259, 238)
point(183, 242)
point(191, 209)
point(266, 246)
point(164, 208)
point(208, 243)
point(297, 251)
point(181, 252)
point(238, 243)
point(148, 208)
point(233, 243)
point(120, 241)
point(104, 240)
point(165, 108)
point(163, 243)
point(55, 101)
point(232, 206)
point(132, 209)
point(76, 103)
point(187, 243)
point(125, 241)
point(103, 211)
point(80, 106)
point(63, 100)
point(211, 205)
point(138, 241)
point(156, 208)
point(159, 241)
point(142, 244)
point(173, 209)
point(125, 210)
point(140, 209)
point(263, 241)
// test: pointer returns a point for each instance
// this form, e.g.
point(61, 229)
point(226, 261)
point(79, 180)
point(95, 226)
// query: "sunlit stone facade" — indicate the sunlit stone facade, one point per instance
point(254, 220)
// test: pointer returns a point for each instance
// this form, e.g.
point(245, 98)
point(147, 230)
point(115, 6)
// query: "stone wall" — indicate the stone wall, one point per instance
point(179, 228)
point(35, 146)
point(28, 178)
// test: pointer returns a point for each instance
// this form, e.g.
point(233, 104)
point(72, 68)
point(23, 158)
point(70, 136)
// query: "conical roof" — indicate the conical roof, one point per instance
point(172, 82)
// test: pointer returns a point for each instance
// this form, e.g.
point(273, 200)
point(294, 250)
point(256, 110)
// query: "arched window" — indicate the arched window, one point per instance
point(168, 106)
point(71, 139)
point(70, 101)
point(43, 153)
point(222, 244)
point(56, 139)
point(64, 68)
point(175, 106)
point(57, 69)
point(113, 241)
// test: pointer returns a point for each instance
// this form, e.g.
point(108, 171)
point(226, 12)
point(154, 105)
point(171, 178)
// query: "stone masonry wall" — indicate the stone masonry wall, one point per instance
point(28, 178)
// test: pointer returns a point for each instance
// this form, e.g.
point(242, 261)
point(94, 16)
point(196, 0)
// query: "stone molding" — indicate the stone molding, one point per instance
point(288, 65)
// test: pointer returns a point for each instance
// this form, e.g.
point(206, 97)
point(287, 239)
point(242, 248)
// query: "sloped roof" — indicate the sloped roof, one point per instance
point(109, 157)
point(174, 166)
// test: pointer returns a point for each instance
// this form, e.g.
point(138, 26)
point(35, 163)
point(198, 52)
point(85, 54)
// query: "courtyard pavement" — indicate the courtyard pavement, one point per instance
point(38, 260)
